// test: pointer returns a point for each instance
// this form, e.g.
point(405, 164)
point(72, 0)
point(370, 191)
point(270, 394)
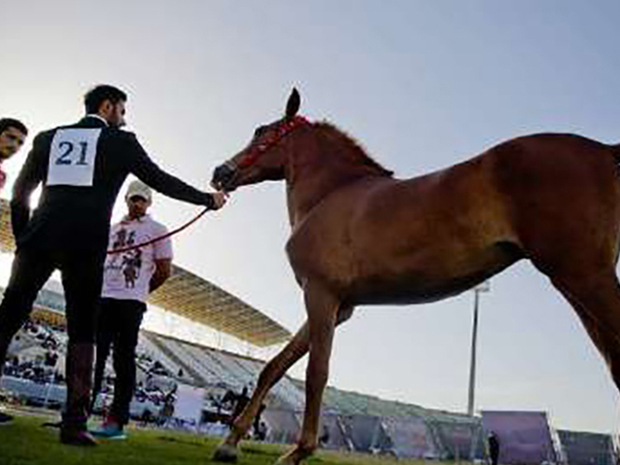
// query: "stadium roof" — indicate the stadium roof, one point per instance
point(194, 298)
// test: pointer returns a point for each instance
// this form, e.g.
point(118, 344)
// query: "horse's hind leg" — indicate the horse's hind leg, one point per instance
point(596, 299)
point(270, 375)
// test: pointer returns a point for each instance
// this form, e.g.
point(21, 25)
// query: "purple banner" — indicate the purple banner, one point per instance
point(524, 437)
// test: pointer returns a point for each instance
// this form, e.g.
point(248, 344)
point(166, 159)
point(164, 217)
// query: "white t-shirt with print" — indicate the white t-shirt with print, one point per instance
point(127, 274)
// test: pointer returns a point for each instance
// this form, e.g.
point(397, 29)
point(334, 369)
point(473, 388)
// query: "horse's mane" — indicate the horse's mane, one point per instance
point(354, 148)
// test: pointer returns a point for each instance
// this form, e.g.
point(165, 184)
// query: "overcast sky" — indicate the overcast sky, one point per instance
point(421, 84)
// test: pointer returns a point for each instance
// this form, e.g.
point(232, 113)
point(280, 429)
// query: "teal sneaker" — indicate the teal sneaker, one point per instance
point(110, 430)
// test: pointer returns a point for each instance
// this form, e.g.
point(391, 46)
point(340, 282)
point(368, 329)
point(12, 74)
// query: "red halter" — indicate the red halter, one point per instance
point(286, 127)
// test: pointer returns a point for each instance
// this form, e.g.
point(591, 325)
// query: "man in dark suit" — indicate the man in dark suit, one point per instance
point(81, 168)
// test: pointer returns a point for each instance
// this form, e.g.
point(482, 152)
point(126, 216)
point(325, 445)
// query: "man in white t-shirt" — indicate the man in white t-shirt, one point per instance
point(129, 277)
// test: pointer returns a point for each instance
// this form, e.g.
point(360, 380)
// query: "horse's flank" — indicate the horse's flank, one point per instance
point(378, 239)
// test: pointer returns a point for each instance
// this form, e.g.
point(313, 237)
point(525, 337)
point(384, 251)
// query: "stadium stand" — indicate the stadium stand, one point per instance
point(458, 437)
point(366, 433)
point(582, 448)
point(411, 437)
point(150, 348)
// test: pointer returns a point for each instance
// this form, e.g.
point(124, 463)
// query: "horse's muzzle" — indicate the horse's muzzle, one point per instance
point(223, 176)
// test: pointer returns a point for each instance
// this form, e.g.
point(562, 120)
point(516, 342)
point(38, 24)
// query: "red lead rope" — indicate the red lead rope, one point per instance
point(160, 238)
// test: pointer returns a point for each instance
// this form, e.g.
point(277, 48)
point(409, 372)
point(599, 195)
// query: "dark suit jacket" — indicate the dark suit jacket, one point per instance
point(78, 217)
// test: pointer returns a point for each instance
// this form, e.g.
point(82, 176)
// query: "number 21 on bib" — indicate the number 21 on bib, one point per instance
point(72, 157)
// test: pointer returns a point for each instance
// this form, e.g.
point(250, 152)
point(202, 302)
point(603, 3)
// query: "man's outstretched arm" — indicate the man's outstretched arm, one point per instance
point(148, 172)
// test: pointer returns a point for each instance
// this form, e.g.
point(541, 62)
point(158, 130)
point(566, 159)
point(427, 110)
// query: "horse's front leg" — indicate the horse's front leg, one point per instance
point(322, 307)
point(270, 375)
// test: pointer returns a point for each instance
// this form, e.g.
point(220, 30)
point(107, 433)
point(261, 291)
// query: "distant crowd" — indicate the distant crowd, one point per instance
point(36, 356)
point(41, 364)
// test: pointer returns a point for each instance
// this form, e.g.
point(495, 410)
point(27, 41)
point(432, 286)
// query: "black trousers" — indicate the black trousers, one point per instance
point(118, 325)
point(82, 273)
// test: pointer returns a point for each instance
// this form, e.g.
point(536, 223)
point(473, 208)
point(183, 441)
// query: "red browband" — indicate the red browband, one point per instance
point(285, 128)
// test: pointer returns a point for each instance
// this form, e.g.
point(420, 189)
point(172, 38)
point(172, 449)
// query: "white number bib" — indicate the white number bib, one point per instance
point(72, 157)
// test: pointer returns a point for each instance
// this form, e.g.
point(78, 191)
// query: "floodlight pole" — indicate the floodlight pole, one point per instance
point(484, 287)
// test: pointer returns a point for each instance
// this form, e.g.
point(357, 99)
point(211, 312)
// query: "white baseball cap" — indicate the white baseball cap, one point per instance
point(138, 189)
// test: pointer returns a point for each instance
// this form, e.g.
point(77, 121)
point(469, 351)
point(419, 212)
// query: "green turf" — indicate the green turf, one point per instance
point(26, 442)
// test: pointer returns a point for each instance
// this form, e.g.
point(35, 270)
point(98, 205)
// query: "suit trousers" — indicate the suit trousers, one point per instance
point(82, 274)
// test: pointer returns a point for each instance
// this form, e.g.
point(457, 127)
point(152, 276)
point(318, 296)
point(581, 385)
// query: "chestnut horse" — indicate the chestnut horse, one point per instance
point(360, 236)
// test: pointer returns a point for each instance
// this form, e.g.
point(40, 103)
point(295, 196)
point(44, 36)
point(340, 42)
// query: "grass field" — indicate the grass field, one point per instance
point(26, 442)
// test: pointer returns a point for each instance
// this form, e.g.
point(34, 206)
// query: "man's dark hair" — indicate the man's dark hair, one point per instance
point(99, 94)
point(6, 123)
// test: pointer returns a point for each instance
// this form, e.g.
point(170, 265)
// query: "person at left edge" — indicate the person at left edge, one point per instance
point(81, 168)
point(12, 136)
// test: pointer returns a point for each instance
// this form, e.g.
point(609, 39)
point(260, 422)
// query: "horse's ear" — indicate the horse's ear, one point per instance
point(292, 106)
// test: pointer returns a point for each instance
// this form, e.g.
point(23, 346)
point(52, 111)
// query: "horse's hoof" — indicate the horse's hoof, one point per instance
point(225, 453)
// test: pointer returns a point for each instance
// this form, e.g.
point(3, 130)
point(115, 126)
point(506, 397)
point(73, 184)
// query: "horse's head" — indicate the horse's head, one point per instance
point(264, 158)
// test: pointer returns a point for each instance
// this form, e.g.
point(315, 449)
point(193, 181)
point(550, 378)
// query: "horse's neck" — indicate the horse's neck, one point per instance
point(314, 174)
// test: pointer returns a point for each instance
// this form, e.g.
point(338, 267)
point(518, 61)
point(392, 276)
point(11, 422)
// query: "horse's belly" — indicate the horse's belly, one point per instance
point(378, 291)
point(430, 277)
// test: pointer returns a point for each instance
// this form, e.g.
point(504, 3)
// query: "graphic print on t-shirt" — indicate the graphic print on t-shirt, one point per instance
point(129, 263)
point(127, 275)
point(72, 157)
